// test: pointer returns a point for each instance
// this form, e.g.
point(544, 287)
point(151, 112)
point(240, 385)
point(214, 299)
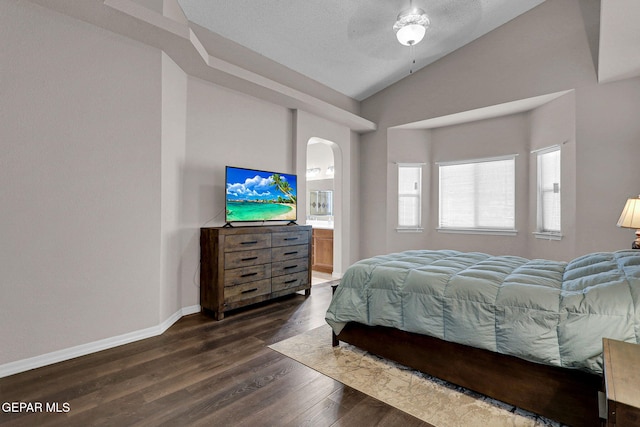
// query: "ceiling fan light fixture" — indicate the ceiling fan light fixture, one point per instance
point(411, 26)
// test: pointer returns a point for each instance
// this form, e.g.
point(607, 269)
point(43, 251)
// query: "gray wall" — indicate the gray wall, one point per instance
point(80, 113)
point(112, 159)
point(547, 50)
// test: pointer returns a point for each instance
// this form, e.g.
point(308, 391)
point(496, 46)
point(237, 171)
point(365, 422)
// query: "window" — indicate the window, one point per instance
point(478, 195)
point(549, 190)
point(409, 196)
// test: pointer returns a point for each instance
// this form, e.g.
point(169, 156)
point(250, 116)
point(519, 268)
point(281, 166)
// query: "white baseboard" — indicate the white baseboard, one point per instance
point(93, 347)
point(191, 310)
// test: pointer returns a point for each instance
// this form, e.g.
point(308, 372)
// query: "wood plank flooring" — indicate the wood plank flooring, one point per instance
point(202, 372)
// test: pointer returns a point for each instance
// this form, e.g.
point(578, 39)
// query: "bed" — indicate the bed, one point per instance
point(526, 332)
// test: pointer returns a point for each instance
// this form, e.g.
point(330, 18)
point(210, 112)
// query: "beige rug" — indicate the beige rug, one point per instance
point(429, 399)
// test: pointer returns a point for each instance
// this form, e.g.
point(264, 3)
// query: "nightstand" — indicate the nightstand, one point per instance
point(622, 382)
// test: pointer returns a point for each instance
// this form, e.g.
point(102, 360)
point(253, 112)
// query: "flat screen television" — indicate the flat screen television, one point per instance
point(255, 195)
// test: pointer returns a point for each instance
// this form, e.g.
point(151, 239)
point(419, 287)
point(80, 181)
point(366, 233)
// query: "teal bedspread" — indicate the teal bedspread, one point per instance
point(549, 312)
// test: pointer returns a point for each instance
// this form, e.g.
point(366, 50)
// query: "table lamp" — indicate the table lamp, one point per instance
point(630, 218)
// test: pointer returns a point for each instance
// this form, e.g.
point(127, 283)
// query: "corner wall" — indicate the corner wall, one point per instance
point(174, 130)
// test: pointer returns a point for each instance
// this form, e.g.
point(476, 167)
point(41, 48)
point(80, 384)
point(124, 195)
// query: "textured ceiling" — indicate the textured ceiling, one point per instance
point(349, 45)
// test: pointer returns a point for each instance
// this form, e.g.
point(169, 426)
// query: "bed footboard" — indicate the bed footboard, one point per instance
point(565, 395)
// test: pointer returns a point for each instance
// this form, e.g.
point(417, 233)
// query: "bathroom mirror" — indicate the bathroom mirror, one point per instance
point(321, 202)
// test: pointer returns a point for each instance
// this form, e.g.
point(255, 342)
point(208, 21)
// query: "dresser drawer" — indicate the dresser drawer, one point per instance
point(287, 238)
point(246, 258)
point(237, 265)
point(247, 290)
point(287, 267)
point(243, 242)
point(285, 253)
point(289, 281)
point(237, 276)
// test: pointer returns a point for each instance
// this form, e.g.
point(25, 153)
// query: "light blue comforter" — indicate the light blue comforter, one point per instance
point(548, 312)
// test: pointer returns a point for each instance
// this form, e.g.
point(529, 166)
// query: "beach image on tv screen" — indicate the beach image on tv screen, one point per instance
point(254, 195)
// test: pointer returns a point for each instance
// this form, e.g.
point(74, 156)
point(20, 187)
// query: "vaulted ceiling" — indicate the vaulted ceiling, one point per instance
point(350, 46)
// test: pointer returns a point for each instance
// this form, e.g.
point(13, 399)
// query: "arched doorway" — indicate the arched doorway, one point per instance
point(321, 207)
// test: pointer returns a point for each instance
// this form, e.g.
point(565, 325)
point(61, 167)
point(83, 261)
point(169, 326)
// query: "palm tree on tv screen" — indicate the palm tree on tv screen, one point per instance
point(283, 186)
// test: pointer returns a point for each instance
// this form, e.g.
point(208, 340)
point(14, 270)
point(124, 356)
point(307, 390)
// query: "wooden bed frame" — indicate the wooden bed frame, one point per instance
point(569, 396)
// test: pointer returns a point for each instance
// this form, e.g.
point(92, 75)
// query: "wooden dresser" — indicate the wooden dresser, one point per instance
point(240, 266)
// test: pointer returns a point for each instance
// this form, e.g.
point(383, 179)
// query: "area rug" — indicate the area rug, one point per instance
point(432, 400)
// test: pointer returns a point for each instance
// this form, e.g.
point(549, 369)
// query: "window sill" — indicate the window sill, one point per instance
point(491, 231)
point(547, 236)
point(409, 230)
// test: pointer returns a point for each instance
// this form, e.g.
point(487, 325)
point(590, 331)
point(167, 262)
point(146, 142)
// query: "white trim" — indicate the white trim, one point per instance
point(410, 164)
point(549, 149)
point(409, 229)
point(23, 365)
point(493, 231)
point(482, 160)
point(191, 310)
point(547, 235)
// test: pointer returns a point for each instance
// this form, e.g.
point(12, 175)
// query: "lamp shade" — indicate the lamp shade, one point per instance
point(630, 217)
point(411, 34)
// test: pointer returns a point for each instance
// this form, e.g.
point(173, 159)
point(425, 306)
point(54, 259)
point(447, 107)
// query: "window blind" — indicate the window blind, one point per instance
point(549, 206)
point(409, 196)
point(478, 194)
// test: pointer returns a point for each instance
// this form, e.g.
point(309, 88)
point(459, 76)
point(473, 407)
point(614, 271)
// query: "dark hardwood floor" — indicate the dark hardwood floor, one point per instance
point(201, 372)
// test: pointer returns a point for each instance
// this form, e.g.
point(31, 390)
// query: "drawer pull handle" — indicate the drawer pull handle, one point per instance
point(290, 266)
point(291, 253)
point(290, 281)
point(250, 258)
point(290, 238)
point(252, 242)
point(248, 274)
point(249, 290)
